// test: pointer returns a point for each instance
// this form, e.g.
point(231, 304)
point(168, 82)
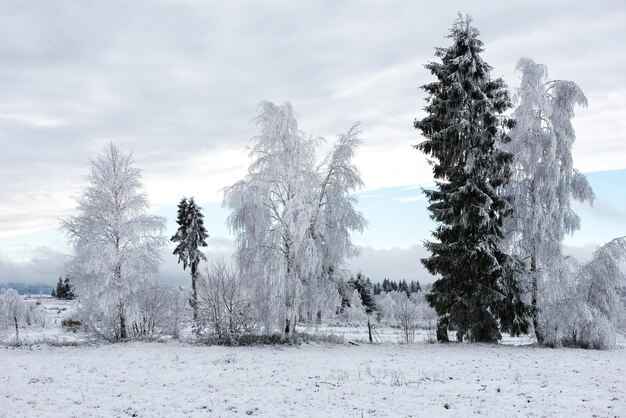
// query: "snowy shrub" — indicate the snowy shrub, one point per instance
point(157, 311)
point(223, 306)
point(427, 317)
point(355, 313)
point(13, 311)
point(582, 305)
point(35, 314)
point(386, 307)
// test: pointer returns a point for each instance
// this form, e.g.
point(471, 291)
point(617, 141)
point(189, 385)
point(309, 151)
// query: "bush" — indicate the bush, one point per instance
point(71, 324)
point(224, 310)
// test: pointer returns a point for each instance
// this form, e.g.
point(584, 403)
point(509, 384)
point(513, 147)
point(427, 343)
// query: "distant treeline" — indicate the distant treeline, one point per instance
point(27, 288)
point(400, 286)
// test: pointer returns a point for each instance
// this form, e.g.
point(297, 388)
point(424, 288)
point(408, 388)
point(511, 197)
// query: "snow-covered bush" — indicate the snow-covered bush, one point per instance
point(35, 314)
point(427, 317)
point(12, 311)
point(355, 313)
point(224, 309)
point(386, 307)
point(157, 311)
point(581, 306)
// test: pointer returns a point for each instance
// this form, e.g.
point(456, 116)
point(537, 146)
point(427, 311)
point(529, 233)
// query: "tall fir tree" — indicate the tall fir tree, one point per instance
point(478, 291)
point(190, 236)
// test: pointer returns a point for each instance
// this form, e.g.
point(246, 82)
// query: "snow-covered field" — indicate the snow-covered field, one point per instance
point(317, 379)
point(175, 379)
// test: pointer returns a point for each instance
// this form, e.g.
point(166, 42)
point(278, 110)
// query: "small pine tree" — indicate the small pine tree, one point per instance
point(403, 287)
point(478, 291)
point(60, 289)
point(68, 292)
point(415, 287)
point(376, 288)
point(190, 236)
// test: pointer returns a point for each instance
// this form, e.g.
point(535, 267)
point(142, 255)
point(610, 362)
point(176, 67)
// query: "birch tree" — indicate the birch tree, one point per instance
point(116, 243)
point(291, 216)
point(13, 310)
point(581, 306)
point(544, 182)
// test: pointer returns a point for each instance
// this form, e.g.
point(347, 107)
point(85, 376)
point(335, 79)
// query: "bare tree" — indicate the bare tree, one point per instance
point(223, 304)
point(407, 314)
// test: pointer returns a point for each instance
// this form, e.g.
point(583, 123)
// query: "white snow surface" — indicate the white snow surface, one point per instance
point(389, 379)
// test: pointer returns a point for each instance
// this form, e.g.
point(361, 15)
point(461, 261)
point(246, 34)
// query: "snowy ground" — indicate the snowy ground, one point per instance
point(385, 379)
point(174, 379)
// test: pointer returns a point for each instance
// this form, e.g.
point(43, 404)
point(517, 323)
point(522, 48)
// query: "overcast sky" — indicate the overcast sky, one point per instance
point(178, 82)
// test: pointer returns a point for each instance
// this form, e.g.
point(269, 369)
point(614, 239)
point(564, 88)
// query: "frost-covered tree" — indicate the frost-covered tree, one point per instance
point(581, 306)
point(292, 217)
point(386, 306)
point(13, 310)
point(477, 292)
point(116, 243)
point(407, 315)
point(190, 236)
point(544, 182)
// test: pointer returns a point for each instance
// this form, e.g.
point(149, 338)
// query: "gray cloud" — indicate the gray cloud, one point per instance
point(177, 82)
point(45, 267)
point(394, 264)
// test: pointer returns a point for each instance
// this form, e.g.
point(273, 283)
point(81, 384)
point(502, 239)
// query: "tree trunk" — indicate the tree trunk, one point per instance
point(287, 327)
point(535, 314)
point(442, 332)
point(194, 292)
point(369, 328)
point(17, 330)
point(123, 333)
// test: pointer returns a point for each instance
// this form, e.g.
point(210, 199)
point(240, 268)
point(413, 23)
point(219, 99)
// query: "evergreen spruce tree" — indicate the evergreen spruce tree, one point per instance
point(68, 293)
point(414, 287)
point(404, 287)
point(191, 235)
point(60, 289)
point(478, 290)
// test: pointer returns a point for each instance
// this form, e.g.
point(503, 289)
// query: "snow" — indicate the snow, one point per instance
point(76, 376)
point(165, 379)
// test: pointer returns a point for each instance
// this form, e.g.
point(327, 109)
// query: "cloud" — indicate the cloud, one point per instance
point(177, 82)
point(395, 264)
point(43, 266)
